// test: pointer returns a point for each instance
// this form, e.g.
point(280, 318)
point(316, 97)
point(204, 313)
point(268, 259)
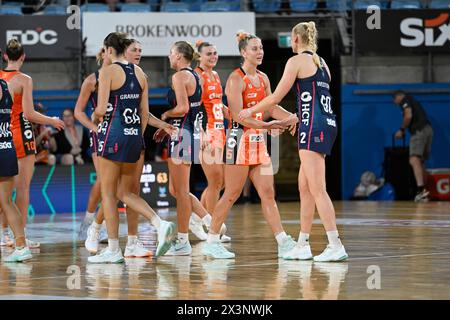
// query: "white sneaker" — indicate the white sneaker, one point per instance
point(92, 240)
point(32, 244)
point(6, 239)
point(179, 249)
point(331, 254)
point(223, 228)
point(19, 255)
point(103, 237)
point(137, 250)
point(82, 233)
point(165, 236)
point(224, 238)
point(299, 252)
point(287, 245)
point(196, 227)
point(107, 256)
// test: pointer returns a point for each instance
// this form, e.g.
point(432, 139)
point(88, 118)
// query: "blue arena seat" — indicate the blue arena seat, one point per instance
point(235, 5)
point(55, 9)
point(194, 5)
point(175, 7)
point(11, 10)
point(339, 5)
point(154, 5)
point(303, 5)
point(134, 7)
point(363, 4)
point(12, 3)
point(406, 4)
point(94, 7)
point(266, 5)
point(217, 6)
point(440, 4)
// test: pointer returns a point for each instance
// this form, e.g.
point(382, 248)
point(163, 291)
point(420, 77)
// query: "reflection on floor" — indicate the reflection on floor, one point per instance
point(397, 251)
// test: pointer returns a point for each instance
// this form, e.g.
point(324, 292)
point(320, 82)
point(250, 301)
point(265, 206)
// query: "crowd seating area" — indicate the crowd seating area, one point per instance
point(58, 7)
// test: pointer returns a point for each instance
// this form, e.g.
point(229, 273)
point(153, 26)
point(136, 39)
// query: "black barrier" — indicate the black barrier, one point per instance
point(403, 31)
point(41, 36)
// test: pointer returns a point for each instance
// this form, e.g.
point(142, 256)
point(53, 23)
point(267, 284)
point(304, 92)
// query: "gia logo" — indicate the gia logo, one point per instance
point(162, 177)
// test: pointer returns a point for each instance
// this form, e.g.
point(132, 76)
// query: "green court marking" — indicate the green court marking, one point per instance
point(31, 212)
point(92, 177)
point(74, 209)
point(44, 189)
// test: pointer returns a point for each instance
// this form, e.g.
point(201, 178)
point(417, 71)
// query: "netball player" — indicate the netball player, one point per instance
point(8, 169)
point(122, 113)
point(310, 77)
point(189, 116)
point(134, 247)
point(245, 150)
point(88, 93)
point(22, 115)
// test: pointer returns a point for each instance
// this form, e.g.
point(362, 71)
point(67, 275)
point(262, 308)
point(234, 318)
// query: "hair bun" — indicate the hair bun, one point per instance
point(198, 43)
point(241, 35)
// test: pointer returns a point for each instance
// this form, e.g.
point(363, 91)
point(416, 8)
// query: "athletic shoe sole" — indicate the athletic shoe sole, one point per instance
point(168, 237)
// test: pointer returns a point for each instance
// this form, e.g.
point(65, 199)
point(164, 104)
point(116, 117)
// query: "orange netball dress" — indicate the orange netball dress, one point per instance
point(246, 146)
point(21, 128)
point(212, 101)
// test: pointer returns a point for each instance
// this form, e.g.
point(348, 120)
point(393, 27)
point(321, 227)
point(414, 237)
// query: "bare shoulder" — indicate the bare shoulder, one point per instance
point(23, 78)
point(234, 76)
point(90, 80)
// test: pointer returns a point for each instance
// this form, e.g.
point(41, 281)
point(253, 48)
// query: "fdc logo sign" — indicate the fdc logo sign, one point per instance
point(33, 37)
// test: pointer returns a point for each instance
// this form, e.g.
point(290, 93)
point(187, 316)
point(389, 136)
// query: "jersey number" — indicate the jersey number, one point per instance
point(217, 110)
point(326, 104)
point(130, 116)
point(302, 137)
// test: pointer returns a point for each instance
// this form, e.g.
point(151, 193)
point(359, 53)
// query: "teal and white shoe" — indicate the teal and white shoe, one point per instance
point(179, 249)
point(107, 256)
point(216, 250)
point(137, 250)
point(19, 255)
point(166, 235)
point(332, 254)
point(287, 245)
point(299, 252)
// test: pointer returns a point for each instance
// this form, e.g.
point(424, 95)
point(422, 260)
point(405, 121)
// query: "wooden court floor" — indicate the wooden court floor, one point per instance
point(397, 250)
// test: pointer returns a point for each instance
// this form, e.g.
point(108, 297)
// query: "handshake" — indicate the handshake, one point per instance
point(289, 123)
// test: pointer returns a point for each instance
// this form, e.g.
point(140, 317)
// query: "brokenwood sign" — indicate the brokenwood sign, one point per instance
point(403, 31)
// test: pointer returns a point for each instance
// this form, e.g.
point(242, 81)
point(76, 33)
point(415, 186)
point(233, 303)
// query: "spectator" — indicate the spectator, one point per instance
point(72, 143)
point(43, 140)
point(415, 119)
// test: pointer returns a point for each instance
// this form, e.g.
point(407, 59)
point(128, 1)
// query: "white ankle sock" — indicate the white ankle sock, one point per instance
point(156, 221)
point(113, 245)
point(89, 215)
point(333, 238)
point(183, 237)
point(132, 240)
point(96, 226)
point(281, 237)
point(212, 238)
point(207, 220)
point(303, 239)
